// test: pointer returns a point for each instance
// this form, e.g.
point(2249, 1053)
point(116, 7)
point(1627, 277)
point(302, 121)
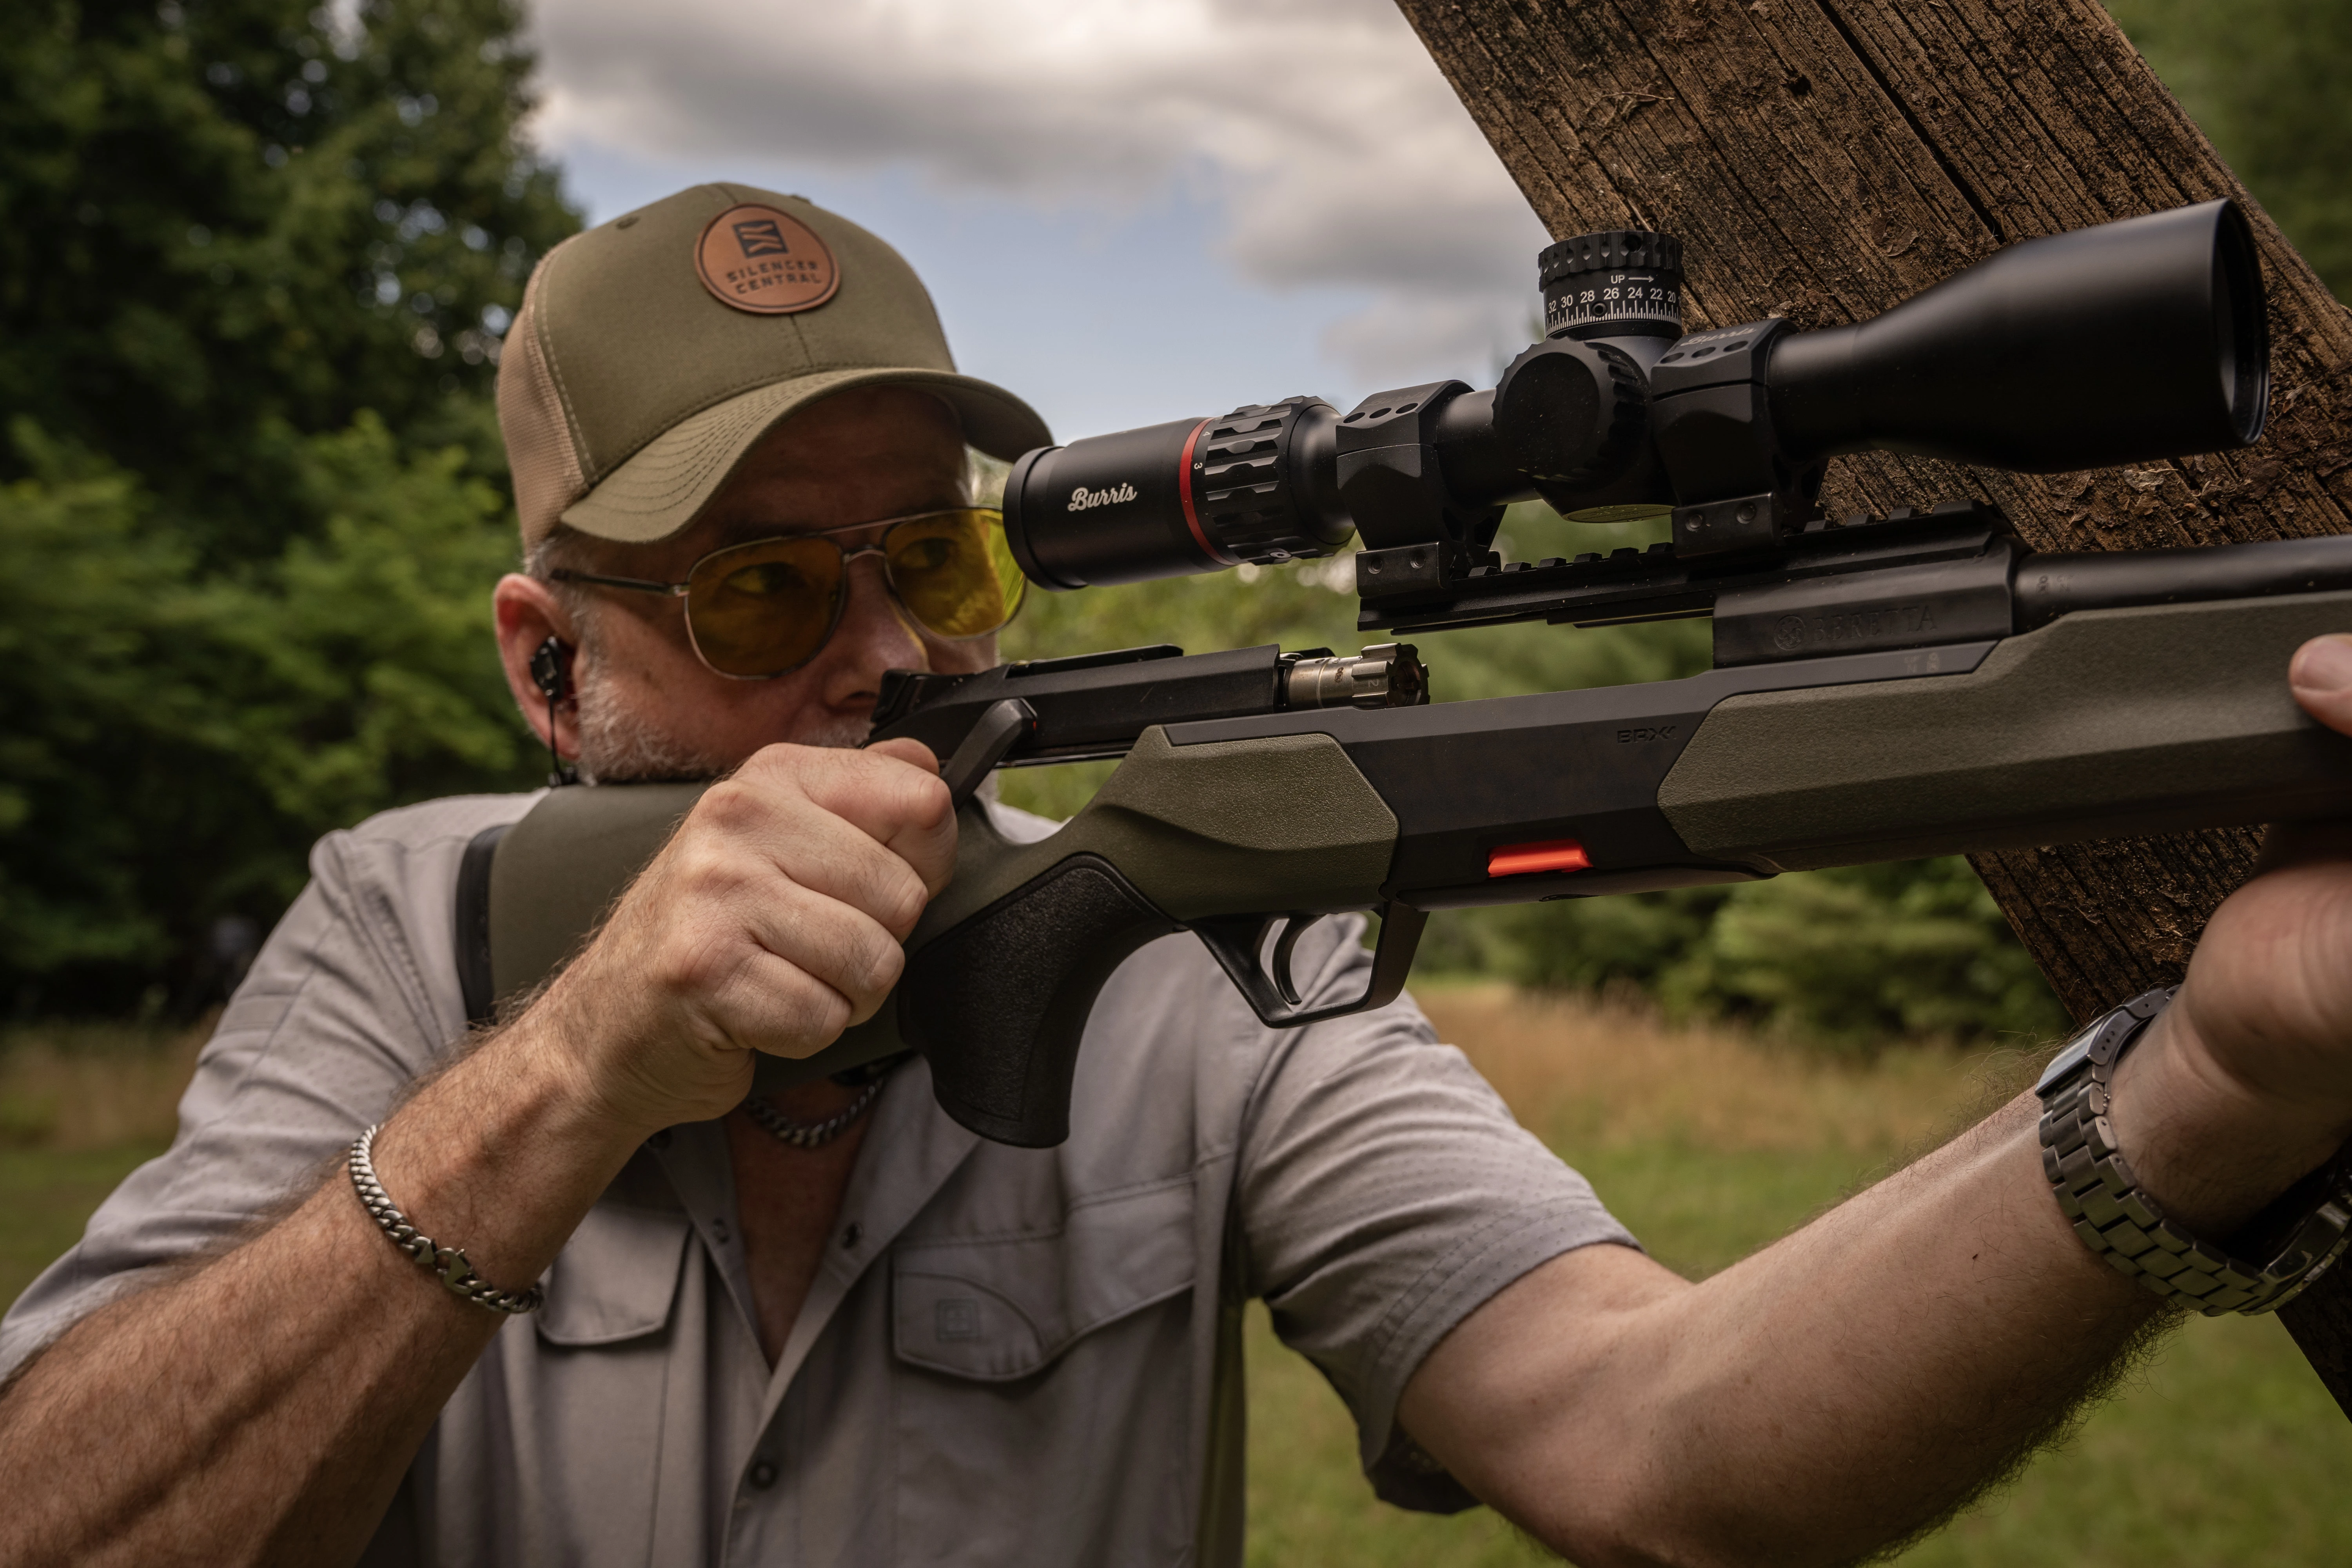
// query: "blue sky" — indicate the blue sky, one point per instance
point(1128, 211)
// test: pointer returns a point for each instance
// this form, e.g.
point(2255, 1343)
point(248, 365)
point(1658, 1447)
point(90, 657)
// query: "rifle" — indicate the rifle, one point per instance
point(1883, 687)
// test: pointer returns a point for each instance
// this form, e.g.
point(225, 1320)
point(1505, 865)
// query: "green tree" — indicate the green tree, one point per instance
point(2265, 78)
point(1843, 960)
point(226, 224)
point(177, 740)
point(255, 264)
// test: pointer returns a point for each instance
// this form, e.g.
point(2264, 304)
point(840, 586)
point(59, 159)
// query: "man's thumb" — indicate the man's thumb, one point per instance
point(2321, 676)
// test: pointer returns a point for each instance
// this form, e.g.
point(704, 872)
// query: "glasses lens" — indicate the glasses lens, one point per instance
point(954, 572)
point(766, 607)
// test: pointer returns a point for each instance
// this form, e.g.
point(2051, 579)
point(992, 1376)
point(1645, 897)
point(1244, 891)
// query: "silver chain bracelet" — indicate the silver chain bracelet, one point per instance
point(448, 1264)
point(2303, 1233)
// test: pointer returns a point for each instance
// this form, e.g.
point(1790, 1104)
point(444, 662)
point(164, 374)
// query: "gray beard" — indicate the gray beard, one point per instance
point(620, 747)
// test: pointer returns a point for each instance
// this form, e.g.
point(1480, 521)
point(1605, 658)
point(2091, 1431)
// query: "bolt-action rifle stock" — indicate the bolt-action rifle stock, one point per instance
point(1915, 685)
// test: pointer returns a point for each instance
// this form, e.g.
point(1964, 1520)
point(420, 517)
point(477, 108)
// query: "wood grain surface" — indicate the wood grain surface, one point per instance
point(1824, 159)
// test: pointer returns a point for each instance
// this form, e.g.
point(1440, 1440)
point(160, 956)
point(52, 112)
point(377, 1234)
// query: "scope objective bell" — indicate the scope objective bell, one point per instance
point(2127, 342)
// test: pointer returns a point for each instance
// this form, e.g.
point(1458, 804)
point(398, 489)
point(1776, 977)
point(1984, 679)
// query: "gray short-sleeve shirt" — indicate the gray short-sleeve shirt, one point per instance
point(1007, 1356)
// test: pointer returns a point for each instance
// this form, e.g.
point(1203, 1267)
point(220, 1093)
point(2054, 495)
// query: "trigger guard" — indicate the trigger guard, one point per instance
point(1235, 942)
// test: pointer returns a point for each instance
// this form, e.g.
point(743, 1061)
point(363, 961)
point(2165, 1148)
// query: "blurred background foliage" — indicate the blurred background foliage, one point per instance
point(2264, 80)
point(256, 261)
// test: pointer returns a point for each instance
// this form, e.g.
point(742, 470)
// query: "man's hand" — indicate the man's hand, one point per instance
point(771, 922)
point(2271, 986)
point(2246, 1082)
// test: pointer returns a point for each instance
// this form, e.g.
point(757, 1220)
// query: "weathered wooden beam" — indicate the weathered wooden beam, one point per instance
point(1827, 159)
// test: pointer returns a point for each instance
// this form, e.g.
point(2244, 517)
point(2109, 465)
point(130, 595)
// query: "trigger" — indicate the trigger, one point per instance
point(1293, 928)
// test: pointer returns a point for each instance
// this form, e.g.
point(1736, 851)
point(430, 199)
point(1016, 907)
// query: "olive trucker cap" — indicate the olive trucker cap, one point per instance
point(653, 352)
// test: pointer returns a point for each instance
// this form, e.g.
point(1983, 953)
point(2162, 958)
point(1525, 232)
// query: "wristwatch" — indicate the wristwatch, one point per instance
point(2303, 1234)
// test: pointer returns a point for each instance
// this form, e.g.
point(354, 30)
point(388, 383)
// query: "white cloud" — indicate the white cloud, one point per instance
point(1319, 130)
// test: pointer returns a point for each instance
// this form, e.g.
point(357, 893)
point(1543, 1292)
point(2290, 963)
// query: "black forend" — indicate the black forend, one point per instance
point(997, 1004)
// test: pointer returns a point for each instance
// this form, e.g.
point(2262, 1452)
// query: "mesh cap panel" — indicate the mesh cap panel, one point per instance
point(542, 449)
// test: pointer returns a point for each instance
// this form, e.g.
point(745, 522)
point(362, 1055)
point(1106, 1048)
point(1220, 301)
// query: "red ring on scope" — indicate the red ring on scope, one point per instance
point(1184, 494)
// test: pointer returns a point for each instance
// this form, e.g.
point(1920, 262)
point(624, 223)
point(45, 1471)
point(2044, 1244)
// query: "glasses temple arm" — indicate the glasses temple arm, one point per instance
point(565, 574)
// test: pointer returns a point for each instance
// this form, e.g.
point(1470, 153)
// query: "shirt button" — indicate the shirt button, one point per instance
point(718, 1231)
point(850, 1237)
point(763, 1475)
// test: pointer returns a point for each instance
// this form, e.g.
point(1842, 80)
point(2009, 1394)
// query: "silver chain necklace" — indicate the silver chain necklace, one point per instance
point(811, 1134)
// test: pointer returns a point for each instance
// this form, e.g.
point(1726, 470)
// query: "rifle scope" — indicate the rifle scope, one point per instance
point(2131, 342)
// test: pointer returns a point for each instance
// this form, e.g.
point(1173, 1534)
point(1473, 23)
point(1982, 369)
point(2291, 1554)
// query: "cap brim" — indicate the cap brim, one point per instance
point(666, 482)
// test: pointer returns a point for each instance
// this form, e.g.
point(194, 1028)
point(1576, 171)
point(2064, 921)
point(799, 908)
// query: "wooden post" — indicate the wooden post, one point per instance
point(1824, 159)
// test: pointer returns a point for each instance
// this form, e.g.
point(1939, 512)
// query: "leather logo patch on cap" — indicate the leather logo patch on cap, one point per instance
point(768, 262)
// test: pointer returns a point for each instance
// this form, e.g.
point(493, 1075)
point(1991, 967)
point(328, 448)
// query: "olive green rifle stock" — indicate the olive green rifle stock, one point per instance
point(2103, 723)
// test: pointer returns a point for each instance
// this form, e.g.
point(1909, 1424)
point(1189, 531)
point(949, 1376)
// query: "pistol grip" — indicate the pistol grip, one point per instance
point(997, 1002)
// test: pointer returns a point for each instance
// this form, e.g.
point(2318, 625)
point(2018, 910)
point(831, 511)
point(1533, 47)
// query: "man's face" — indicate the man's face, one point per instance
point(646, 705)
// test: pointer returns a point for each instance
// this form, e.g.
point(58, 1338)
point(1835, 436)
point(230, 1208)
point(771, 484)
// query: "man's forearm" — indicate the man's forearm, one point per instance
point(1849, 1383)
point(1874, 1368)
point(264, 1407)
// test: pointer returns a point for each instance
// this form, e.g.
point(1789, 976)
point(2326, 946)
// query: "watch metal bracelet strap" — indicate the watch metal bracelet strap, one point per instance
point(448, 1264)
point(2128, 1229)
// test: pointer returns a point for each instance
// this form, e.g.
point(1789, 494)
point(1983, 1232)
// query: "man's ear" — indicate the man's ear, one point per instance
point(529, 616)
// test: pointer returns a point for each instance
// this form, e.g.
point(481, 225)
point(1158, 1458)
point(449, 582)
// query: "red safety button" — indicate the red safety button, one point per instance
point(1551, 855)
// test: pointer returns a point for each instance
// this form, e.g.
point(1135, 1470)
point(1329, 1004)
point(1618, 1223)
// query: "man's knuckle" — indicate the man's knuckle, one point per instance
point(777, 760)
point(928, 798)
point(862, 946)
point(885, 963)
point(704, 869)
point(727, 805)
point(694, 965)
point(814, 1007)
point(903, 898)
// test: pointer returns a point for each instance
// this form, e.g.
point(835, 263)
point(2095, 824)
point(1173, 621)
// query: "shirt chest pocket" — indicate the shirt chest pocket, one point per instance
point(1049, 1366)
point(552, 1449)
point(1000, 1308)
point(615, 1279)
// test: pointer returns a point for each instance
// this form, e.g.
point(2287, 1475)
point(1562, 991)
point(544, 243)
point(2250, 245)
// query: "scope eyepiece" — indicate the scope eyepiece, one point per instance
point(1194, 495)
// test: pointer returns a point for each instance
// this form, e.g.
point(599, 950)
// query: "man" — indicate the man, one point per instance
point(842, 1330)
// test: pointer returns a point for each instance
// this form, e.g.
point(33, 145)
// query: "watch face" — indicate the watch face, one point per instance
point(2077, 1052)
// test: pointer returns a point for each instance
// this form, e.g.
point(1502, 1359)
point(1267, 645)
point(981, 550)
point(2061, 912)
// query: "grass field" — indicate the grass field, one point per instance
point(2225, 1450)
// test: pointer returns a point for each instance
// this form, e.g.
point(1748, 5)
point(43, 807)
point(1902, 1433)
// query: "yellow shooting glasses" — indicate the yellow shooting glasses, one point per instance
point(765, 608)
